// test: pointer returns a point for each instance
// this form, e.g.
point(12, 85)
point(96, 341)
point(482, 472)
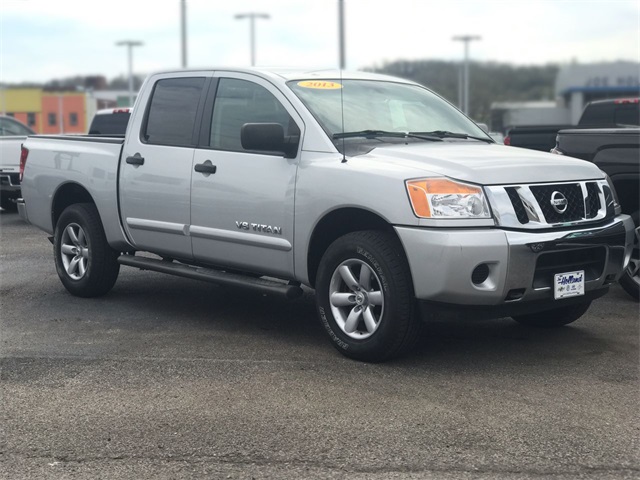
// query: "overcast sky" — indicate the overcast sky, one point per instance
point(41, 40)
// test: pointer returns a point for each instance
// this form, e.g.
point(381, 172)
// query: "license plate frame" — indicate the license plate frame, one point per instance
point(568, 284)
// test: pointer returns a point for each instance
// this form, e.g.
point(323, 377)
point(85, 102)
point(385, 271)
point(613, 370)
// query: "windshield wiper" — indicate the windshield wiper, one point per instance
point(384, 133)
point(447, 134)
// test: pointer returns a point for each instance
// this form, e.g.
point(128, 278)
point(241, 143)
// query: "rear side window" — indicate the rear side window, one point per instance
point(110, 124)
point(172, 113)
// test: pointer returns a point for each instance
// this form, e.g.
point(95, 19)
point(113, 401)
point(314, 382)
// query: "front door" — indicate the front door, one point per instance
point(242, 203)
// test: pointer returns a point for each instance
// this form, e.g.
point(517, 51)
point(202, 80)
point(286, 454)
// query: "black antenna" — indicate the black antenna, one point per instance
point(344, 158)
point(342, 63)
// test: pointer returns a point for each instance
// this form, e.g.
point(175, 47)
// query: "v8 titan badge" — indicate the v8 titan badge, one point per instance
point(570, 284)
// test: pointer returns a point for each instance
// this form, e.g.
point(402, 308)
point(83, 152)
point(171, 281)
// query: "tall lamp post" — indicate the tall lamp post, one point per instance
point(252, 30)
point(130, 44)
point(341, 48)
point(183, 31)
point(466, 39)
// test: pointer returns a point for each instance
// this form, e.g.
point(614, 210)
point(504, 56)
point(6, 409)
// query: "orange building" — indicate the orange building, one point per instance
point(63, 112)
point(46, 112)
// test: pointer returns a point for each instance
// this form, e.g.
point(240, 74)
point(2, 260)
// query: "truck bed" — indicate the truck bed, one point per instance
point(65, 161)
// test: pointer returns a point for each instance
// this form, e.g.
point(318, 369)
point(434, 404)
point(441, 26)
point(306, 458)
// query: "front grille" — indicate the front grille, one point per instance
point(591, 260)
point(574, 202)
point(538, 206)
point(593, 200)
point(518, 206)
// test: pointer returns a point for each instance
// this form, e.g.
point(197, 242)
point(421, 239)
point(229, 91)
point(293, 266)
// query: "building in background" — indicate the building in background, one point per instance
point(55, 112)
point(64, 112)
point(576, 85)
point(47, 112)
point(24, 104)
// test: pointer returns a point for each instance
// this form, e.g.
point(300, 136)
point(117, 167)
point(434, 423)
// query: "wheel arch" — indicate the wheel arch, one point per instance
point(66, 195)
point(335, 224)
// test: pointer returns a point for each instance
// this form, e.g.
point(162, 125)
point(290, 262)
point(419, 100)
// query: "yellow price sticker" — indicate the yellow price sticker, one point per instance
point(320, 84)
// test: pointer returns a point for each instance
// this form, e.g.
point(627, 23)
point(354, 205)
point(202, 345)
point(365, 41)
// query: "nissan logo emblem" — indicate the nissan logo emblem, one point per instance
point(559, 202)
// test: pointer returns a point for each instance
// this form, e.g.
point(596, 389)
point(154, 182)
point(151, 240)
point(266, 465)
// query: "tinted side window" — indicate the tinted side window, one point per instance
point(110, 124)
point(628, 114)
point(172, 112)
point(239, 102)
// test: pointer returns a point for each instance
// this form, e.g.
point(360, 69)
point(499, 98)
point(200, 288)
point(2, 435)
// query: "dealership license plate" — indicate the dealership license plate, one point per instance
point(570, 284)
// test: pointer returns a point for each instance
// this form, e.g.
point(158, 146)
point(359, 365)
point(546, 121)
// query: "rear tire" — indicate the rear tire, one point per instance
point(557, 317)
point(630, 279)
point(86, 264)
point(365, 297)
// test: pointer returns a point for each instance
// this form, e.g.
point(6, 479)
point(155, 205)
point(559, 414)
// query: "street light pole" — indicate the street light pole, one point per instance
point(341, 33)
point(130, 44)
point(252, 30)
point(466, 39)
point(183, 29)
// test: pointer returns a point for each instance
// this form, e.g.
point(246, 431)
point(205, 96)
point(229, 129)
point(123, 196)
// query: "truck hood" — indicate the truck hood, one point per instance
point(484, 164)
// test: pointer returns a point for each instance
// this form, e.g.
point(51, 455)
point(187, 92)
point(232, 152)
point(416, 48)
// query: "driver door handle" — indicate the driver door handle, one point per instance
point(137, 159)
point(206, 167)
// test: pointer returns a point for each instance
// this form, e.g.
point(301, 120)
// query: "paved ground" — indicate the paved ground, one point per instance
point(171, 378)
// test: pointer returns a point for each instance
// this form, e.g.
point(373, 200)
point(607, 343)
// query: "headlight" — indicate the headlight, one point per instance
point(444, 198)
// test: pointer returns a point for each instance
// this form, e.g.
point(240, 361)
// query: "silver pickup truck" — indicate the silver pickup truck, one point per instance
point(372, 190)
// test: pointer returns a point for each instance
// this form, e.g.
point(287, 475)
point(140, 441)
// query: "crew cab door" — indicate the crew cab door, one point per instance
point(156, 165)
point(242, 202)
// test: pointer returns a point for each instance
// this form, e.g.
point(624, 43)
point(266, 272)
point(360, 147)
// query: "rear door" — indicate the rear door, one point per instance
point(155, 171)
point(242, 202)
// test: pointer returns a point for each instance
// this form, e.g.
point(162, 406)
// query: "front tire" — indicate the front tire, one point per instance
point(86, 264)
point(365, 298)
point(554, 318)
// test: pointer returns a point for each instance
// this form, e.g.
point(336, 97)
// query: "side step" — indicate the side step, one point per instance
point(211, 275)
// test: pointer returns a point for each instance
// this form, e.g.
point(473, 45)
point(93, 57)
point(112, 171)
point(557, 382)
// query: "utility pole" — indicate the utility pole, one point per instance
point(252, 30)
point(130, 44)
point(466, 39)
point(341, 34)
point(183, 31)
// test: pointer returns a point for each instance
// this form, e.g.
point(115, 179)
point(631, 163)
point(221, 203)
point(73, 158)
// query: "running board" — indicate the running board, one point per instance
point(213, 276)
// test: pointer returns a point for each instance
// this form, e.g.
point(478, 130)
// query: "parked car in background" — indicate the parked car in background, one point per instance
point(12, 135)
point(110, 121)
point(614, 113)
point(617, 153)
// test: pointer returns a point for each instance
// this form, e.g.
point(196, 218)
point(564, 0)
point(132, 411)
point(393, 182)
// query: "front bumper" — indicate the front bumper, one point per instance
point(520, 265)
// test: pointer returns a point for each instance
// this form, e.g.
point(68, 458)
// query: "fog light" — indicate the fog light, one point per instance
point(480, 274)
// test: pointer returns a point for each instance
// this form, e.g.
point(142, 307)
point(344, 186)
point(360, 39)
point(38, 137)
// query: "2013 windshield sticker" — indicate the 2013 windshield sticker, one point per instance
point(320, 84)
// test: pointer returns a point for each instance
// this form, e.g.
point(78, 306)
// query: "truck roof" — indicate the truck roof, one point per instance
point(291, 73)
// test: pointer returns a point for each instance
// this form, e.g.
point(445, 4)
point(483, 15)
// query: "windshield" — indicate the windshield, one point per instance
point(380, 107)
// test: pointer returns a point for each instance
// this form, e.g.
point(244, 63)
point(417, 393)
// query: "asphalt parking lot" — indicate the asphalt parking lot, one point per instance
point(171, 378)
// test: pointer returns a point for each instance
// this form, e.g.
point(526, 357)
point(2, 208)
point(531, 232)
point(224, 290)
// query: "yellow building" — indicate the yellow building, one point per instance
point(46, 112)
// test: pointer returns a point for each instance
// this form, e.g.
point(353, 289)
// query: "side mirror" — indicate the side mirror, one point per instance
point(268, 137)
